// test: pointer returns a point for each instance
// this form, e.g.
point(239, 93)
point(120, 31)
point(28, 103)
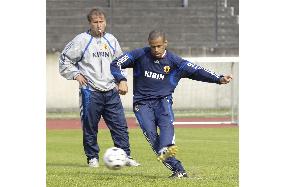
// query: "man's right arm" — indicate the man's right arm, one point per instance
point(69, 58)
point(124, 61)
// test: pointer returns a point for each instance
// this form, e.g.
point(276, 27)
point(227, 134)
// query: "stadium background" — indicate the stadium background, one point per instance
point(205, 31)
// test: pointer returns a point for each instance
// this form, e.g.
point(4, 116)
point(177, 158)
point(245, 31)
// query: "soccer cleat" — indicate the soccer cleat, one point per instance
point(178, 175)
point(131, 162)
point(94, 163)
point(167, 152)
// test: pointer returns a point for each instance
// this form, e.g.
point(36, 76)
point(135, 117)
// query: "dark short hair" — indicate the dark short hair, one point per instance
point(156, 34)
point(96, 12)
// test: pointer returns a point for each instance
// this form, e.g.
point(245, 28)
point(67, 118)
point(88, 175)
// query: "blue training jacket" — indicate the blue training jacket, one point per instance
point(157, 78)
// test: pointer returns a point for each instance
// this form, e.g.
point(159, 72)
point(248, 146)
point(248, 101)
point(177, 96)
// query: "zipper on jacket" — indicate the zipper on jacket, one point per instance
point(101, 68)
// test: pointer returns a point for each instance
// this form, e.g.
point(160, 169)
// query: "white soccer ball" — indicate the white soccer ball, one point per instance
point(115, 158)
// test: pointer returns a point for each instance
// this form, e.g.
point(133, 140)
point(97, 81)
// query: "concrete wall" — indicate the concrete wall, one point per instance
point(62, 94)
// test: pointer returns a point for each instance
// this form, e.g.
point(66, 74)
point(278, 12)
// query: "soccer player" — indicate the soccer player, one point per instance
point(87, 59)
point(157, 72)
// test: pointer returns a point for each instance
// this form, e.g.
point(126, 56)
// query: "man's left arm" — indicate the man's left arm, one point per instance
point(199, 73)
point(226, 79)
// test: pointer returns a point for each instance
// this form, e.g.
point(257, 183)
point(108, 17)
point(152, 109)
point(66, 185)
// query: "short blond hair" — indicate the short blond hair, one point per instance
point(96, 12)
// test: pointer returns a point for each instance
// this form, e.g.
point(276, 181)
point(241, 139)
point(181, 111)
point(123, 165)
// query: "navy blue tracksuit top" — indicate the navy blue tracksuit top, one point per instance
point(157, 78)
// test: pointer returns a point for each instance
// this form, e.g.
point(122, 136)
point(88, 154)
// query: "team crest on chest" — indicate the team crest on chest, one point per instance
point(167, 69)
point(105, 46)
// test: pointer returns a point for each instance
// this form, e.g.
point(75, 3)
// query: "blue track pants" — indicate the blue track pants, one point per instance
point(154, 114)
point(95, 104)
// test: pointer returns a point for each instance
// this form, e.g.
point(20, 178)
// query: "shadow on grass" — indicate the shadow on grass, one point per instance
point(112, 175)
point(74, 165)
point(101, 172)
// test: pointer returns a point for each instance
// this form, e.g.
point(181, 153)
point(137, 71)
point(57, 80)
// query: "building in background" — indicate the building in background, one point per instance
point(194, 27)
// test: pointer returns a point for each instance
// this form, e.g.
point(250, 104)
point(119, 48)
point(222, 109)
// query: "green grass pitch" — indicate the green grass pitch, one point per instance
point(210, 155)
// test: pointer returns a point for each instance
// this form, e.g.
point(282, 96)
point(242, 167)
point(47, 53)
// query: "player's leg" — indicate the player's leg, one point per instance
point(146, 119)
point(91, 105)
point(176, 167)
point(165, 116)
point(114, 117)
